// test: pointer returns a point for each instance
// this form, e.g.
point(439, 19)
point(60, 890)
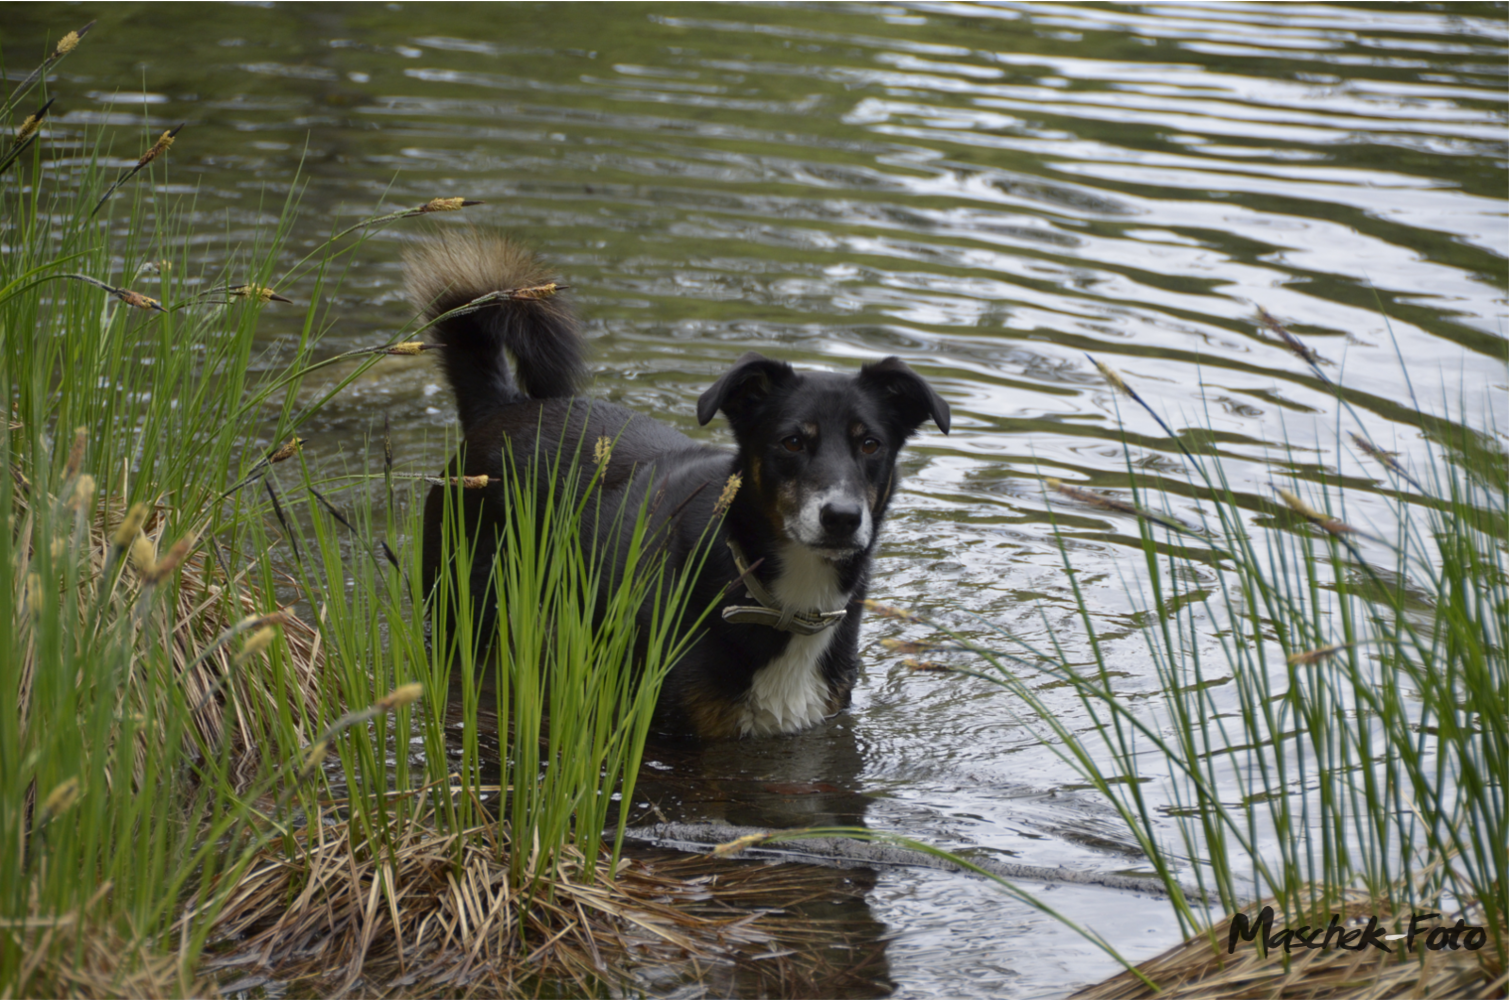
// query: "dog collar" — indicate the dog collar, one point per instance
point(770, 612)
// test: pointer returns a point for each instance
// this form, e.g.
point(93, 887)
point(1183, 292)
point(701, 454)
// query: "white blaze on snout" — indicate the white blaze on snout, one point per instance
point(807, 526)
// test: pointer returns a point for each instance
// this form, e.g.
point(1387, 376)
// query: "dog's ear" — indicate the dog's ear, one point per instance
point(750, 380)
point(906, 394)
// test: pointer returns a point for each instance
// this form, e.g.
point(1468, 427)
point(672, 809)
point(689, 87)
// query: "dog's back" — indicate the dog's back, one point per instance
point(512, 351)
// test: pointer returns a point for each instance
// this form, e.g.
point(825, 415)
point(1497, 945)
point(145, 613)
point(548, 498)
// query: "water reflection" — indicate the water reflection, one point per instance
point(826, 939)
point(990, 192)
point(811, 779)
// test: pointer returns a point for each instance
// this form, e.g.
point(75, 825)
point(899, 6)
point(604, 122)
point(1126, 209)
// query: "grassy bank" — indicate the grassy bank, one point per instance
point(228, 741)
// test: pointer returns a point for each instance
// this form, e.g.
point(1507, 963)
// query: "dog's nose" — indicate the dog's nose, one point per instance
point(840, 518)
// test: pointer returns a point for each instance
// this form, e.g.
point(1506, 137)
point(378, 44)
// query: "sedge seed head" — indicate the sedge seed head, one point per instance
point(443, 205)
point(260, 640)
point(889, 611)
point(83, 492)
point(76, 453)
point(313, 757)
point(1386, 458)
point(287, 450)
point(907, 647)
point(1289, 339)
point(138, 300)
point(602, 451)
point(1310, 656)
point(170, 562)
point(730, 491)
point(405, 694)
point(65, 45)
point(407, 349)
point(1300, 507)
point(256, 621)
point(61, 799)
point(28, 129)
point(143, 555)
point(162, 145)
point(130, 526)
point(261, 293)
point(534, 293)
point(1113, 378)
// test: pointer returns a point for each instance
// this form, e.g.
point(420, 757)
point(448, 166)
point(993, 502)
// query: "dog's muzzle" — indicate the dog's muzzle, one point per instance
point(836, 523)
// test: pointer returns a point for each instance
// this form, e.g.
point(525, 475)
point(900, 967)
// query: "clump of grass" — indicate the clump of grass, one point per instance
point(148, 688)
point(193, 764)
point(115, 572)
point(135, 711)
point(562, 674)
point(583, 675)
point(1366, 750)
point(340, 914)
point(102, 962)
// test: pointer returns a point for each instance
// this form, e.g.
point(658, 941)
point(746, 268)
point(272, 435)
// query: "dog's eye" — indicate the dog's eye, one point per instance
point(793, 443)
point(869, 446)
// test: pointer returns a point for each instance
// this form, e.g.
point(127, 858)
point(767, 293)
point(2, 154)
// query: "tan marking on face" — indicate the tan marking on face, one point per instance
point(755, 473)
point(856, 429)
point(811, 430)
point(788, 507)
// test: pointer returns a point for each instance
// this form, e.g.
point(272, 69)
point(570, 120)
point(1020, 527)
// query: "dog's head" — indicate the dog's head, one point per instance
point(819, 448)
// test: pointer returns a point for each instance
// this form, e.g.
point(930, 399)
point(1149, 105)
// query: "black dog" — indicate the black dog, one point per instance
point(816, 466)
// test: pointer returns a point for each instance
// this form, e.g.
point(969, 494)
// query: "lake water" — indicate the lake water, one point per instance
point(989, 192)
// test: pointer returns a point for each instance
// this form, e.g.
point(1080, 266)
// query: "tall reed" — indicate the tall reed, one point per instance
point(573, 676)
point(1349, 733)
point(157, 710)
point(127, 684)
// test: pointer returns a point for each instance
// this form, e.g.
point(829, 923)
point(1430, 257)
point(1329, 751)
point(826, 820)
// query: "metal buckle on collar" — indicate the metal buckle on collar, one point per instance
point(770, 612)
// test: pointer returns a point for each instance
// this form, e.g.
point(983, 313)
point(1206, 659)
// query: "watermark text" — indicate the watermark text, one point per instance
point(1438, 937)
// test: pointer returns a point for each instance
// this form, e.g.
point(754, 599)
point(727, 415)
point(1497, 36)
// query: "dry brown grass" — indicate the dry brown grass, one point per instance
point(437, 913)
point(1202, 968)
point(199, 622)
point(104, 964)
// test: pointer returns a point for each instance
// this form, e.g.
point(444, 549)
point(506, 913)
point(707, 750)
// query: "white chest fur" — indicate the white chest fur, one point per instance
point(789, 693)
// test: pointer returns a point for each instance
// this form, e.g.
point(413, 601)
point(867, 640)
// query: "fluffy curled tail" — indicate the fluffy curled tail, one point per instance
point(533, 324)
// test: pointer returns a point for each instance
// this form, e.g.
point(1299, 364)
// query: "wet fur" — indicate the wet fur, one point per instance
point(798, 516)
